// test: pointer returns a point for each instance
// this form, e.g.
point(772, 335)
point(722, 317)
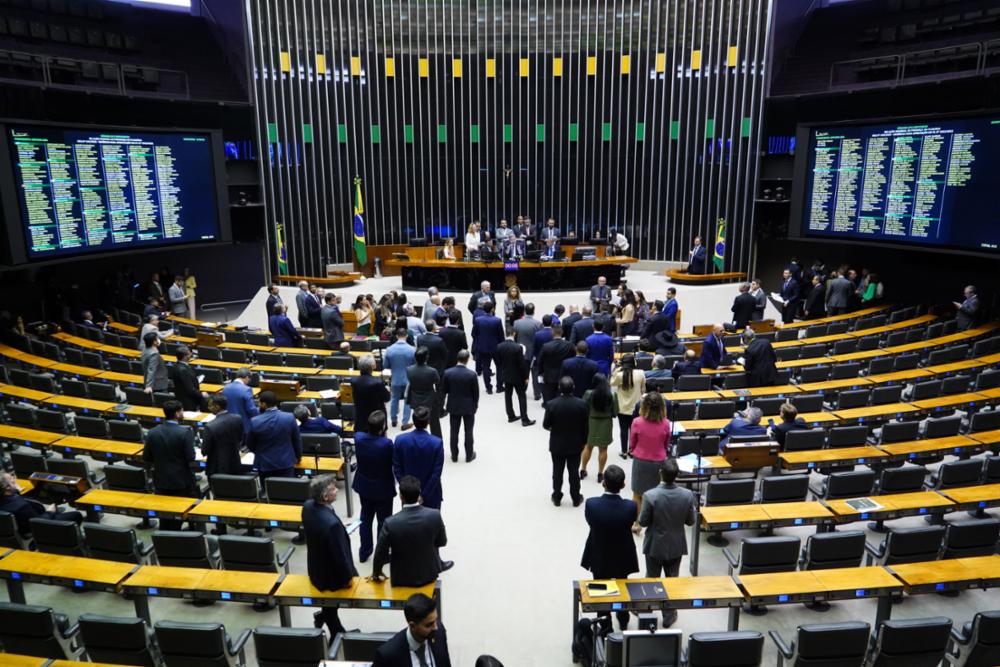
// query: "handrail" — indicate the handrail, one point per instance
point(902, 58)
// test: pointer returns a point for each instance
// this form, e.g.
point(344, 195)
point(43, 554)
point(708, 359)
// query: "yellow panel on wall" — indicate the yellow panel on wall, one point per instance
point(591, 65)
point(424, 68)
point(390, 67)
point(626, 64)
point(355, 65)
point(557, 66)
point(661, 62)
point(491, 68)
point(320, 63)
point(525, 67)
point(456, 68)
point(286, 61)
point(696, 59)
point(733, 57)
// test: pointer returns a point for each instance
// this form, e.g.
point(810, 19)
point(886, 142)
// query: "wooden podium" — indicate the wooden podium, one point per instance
point(751, 455)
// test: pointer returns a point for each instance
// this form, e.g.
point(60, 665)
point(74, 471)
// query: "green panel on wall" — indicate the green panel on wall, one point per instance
point(605, 131)
point(508, 133)
point(675, 129)
point(307, 133)
point(745, 128)
point(376, 134)
point(574, 131)
point(540, 132)
point(709, 128)
point(342, 133)
point(474, 134)
point(272, 132)
point(442, 134)
point(408, 134)
point(640, 131)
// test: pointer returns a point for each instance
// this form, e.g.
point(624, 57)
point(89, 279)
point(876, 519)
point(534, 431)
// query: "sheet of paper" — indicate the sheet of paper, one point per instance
point(327, 393)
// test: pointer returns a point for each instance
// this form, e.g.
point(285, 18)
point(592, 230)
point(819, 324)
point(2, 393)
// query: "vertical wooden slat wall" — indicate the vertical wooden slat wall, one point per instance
point(639, 114)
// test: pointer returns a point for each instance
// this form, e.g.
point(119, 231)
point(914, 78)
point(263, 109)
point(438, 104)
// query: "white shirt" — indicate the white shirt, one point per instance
point(472, 241)
point(414, 645)
point(621, 243)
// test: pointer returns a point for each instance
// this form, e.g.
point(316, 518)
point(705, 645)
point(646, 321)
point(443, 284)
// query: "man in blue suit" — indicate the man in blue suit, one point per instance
point(790, 297)
point(696, 263)
point(747, 424)
point(373, 481)
point(397, 358)
point(282, 330)
point(421, 454)
point(610, 549)
point(240, 397)
point(580, 368)
point(582, 327)
point(487, 333)
point(542, 336)
point(713, 350)
point(600, 349)
point(670, 309)
point(274, 440)
point(423, 642)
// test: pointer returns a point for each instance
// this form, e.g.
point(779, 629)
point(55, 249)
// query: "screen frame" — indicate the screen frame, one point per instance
point(628, 635)
point(803, 134)
point(17, 251)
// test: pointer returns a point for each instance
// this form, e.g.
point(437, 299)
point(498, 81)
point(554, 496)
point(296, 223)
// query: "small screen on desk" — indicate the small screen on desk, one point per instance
point(511, 266)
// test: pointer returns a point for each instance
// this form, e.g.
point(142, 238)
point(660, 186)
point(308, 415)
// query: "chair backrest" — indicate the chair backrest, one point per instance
point(300, 360)
point(130, 431)
point(816, 330)
point(813, 351)
point(210, 353)
point(988, 380)
point(768, 406)
point(72, 387)
point(179, 548)
point(959, 473)
point(846, 371)
point(255, 554)
point(938, 357)
point(814, 373)
point(831, 550)
point(912, 545)
point(880, 365)
point(906, 362)
point(778, 553)
point(716, 409)
point(899, 432)
point(57, 537)
point(729, 491)
point(848, 436)
point(725, 649)
point(853, 398)
point(190, 644)
point(956, 384)
point(837, 328)
point(289, 406)
point(694, 383)
point(91, 427)
point(902, 480)
point(985, 421)
point(787, 334)
point(320, 444)
point(32, 630)
point(831, 644)
point(802, 440)
point(235, 487)
point(123, 477)
point(10, 536)
point(136, 396)
point(807, 402)
point(287, 490)
point(991, 470)
point(270, 358)
point(317, 383)
point(70, 467)
point(284, 647)
point(845, 347)
point(258, 338)
point(361, 646)
point(868, 343)
point(884, 395)
point(27, 462)
point(735, 381)
point(682, 410)
point(984, 644)
point(116, 640)
point(21, 414)
point(914, 642)
point(706, 445)
point(849, 484)
point(102, 391)
point(926, 389)
point(973, 537)
point(234, 356)
point(115, 543)
point(784, 488)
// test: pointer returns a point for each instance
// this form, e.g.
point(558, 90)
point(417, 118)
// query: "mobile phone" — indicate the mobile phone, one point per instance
point(597, 586)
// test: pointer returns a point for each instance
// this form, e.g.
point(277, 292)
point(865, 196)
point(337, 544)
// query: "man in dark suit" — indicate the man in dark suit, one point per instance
point(601, 349)
point(670, 308)
point(453, 337)
point(967, 314)
point(790, 297)
point(713, 350)
point(170, 448)
point(570, 320)
point(26, 509)
point(373, 481)
point(421, 454)
point(186, 385)
point(815, 306)
point(550, 231)
point(423, 384)
point(600, 294)
point(422, 636)
point(656, 322)
point(582, 327)
point(282, 330)
point(484, 293)
point(154, 369)
point(409, 541)
point(515, 375)
point(696, 258)
point(370, 393)
point(745, 424)
point(487, 333)
point(759, 361)
point(273, 299)
point(437, 352)
point(550, 360)
point(566, 419)
point(790, 421)
point(689, 366)
point(580, 369)
point(308, 305)
point(743, 307)
point(461, 390)
point(666, 509)
point(221, 439)
point(328, 548)
point(610, 549)
point(274, 439)
point(333, 321)
point(541, 337)
point(838, 294)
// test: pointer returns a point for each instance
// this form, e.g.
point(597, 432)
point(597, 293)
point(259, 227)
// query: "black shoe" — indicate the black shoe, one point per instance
point(511, 420)
point(669, 619)
point(317, 620)
point(444, 413)
point(556, 501)
point(583, 474)
point(447, 565)
point(577, 501)
point(470, 458)
point(395, 424)
point(527, 422)
point(363, 558)
point(600, 477)
point(489, 390)
point(454, 457)
point(499, 389)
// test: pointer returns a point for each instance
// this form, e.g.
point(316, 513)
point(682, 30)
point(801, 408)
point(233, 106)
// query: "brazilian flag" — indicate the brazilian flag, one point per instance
point(360, 250)
point(282, 252)
point(719, 256)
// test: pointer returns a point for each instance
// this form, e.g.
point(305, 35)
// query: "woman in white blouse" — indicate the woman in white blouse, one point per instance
point(472, 240)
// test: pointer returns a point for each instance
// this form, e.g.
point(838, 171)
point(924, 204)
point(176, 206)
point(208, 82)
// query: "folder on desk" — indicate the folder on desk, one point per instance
point(607, 588)
point(863, 504)
point(646, 590)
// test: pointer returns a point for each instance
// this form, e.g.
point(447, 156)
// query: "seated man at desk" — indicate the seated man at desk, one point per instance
point(282, 330)
point(790, 421)
point(550, 248)
point(318, 424)
point(689, 366)
point(26, 509)
point(741, 425)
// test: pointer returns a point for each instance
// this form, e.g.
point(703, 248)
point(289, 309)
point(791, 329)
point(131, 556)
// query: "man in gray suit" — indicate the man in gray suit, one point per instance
point(838, 295)
point(409, 541)
point(665, 511)
point(600, 294)
point(333, 321)
point(154, 369)
point(178, 302)
point(968, 310)
point(524, 330)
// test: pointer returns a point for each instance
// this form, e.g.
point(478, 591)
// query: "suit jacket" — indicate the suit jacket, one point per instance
point(24, 510)
point(779, 431)
point(599, 294)
point(272, 301)
point(740, 427)
point(685, 368)
point(178, 302)
point(487, 333)
point(601, 350)
point(839, 292)
point(328, 548)
point(284, 332)
point(474, 300)
point(186, 387)
point(654, 325)
point(396, 651)
point(566, 420)
point(437, 351)
point(424, 382)
point(761, 300)
point(550, 233)
point(333, 325)
point(170, 448)
point(154, 370)
point(697, 262)
point(712, 352)
point(610, 549)
point(759, 360)
point(409, 541)
point(582, 370)
point(275, 441)
point(551, 357)
point(309, 309)
point(513, 366)
point(815, 303)
point(221, 440)
point(666, 509)
point(743, 307)
point(791, 291)
point(670, 311)
point(968, 314)
point(421, 454)
point(460, 387)
point(581, 329)
point(240, 397)
point(397, 358)
point(541, 337)
point(373, 478)
point(524, 333)
point(370, 395)
point(569, 322)
point(454, 341)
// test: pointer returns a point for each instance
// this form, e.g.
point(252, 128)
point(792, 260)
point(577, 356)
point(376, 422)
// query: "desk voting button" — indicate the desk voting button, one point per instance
point(385, 604)
point(152, 590)
point(860, 593)
point(307, 601)
point(225, 596)
point(783, 598)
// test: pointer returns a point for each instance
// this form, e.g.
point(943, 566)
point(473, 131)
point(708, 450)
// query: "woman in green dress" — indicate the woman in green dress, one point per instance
point(603, 406)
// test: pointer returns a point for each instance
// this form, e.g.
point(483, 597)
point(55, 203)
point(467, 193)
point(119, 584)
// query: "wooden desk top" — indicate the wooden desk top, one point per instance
point(700, 588)
point(796, 510)
point(118, 447)
point(276, 512)
point(778, 390)
point(986, 437)
point(246, 346)
point(8, 432)
point(905, 324)
point(807, 456)
point(955, 400)
point(151, 412)
point(887, 410)
point(14, 660)
point(955, 366)
point(934, 572)
point(911, 501)
point(781, 583)
point(718, 424)
point(137, 501)
point(859, 356)
point(690, 395)
point(836, 318)
point(729, 514)
point(827, 385)
point(931, 445)
point(973, 494)
point(311, 351)
point(194, 323)
point(858, 579)
point(715, 463)
point(991, 393)
point(287, 370)
point(90, 570)
point(900, 376)
point(161, 576)
point(23, 392)
point(298, 586)
point(336, 372)
point(225, 508)
point(85, 371)
point(235, 581)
